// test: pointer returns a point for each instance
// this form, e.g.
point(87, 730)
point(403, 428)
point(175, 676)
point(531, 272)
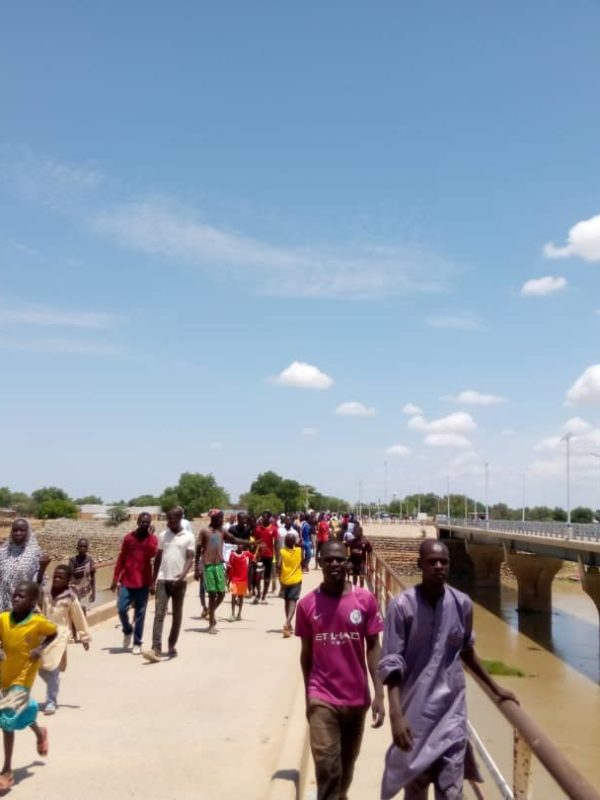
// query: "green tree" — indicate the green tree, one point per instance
point(5, 497)
point(22, 503)
point(145, 500)
point(196, 493)
point(259, 503)
point(559, 514)
point(89, 500)
point(53, 508)
point(582, 515)
point(48, 493)
point(117, 514)
point(267, 483)
point(539, 514)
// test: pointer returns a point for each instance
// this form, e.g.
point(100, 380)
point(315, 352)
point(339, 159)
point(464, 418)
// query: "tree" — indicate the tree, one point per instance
point(267, 483)
point(257, 504)
point(196, 493)
point(22, 503)
point(145, 500)
point(582, 515)
point(559, 515)
point(49, 493)
point(117, 514)
point(89, 500)
point(54, 508)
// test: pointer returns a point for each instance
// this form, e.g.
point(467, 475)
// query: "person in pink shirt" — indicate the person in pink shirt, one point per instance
point(339, 625)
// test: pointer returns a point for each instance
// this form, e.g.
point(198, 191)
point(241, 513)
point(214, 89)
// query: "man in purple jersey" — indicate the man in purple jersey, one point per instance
point(337, 622)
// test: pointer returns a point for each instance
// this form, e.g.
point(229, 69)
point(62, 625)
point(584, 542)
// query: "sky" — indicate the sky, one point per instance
point(355, 244)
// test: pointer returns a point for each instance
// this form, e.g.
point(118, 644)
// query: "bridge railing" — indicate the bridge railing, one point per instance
point(529, 740)
point(557, 530)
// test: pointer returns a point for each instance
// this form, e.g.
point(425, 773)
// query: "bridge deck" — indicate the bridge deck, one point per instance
point(207, 724)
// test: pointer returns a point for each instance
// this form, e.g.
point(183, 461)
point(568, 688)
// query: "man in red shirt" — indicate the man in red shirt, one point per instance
point(322, 537)
point(266, 534)
point(133, 574)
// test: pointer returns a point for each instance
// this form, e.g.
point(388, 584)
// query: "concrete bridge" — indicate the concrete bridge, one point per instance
point(534, 552)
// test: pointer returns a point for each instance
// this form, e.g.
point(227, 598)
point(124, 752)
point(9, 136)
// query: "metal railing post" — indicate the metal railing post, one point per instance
point(522, 782)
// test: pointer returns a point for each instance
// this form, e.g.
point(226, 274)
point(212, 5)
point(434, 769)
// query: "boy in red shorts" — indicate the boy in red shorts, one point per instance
point(237, 572)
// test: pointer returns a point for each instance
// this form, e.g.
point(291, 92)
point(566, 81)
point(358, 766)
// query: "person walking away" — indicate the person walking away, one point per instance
point(237, 569)
point(60, 605)
point(24, 634)
point(339, 625)
point(428, 632)
point(133, 577)
point(306, 539)
point(290, 577)
point(359, 548)
point(173, 561)
point(83, 575)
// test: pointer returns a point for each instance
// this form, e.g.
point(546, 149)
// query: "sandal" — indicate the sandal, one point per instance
point(42, 744)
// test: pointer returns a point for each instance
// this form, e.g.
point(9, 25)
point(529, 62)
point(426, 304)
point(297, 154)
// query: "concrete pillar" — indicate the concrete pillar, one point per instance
point(486, 559)
point(534, 576)
point(590, 582)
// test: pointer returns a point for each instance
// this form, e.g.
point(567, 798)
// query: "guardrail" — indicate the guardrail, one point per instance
point(529, 740)
point(555, 530)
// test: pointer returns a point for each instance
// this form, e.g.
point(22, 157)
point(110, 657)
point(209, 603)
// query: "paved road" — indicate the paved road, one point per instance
point(205, 725)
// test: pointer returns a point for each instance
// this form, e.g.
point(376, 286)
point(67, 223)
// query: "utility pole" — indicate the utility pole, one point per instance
point(567, 439)
point(523, 507)
point(487, 504)
point(385, 483)
point(360, 499)
point(597, 455)
point(448, 495)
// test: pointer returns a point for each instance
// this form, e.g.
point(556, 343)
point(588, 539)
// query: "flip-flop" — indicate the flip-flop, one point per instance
point(42, 744)
point(6, 782)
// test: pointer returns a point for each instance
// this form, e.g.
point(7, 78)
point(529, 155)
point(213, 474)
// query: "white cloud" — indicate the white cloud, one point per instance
point(411, 410)
point(577, 426)
point(545, 468)
point(51, 317)
point(458, 422)
point(309, 432)
point(303, 376)
point(446, 440)
point(46, 181)
point(215, 446)
point(586, 389)
point(58, 347)
point(164, 229)
point(354, 409)
point(469, 397)
point(540, 287)
point(398, 450)
point(459, 322)
point(583, 242)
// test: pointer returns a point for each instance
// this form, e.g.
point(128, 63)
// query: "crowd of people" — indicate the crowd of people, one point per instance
point(427, 633)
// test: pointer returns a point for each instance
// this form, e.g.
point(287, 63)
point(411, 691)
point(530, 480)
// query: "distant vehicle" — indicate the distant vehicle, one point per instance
point(423, 517)
point(441, 518)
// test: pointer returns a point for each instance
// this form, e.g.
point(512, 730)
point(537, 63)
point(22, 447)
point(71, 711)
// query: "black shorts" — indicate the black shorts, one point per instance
point(358, 568)
point(292, 592)
point(268, 562)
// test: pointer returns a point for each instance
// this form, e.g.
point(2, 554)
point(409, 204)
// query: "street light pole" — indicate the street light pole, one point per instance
point(523, 507)
point(567, 439)
point(487, 505)
point(597, 455)
point(448, 495)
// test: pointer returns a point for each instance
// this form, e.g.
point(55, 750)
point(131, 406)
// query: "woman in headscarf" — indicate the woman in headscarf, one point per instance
point(21, 559)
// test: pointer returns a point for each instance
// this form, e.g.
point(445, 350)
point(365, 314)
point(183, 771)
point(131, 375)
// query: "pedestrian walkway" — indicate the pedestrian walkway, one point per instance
point(207, 725)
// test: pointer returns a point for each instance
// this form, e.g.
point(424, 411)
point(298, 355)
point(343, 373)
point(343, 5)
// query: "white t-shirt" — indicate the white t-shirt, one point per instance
point(282, 532)
point(174, 547)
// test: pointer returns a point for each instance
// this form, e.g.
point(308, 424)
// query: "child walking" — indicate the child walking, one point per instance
point(237, 572)
point(24, 634)
point(61, 606)
point(83, 575)
point(290, 577)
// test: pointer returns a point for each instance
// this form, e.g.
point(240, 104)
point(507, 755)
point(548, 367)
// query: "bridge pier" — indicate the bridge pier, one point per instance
point(534, 576)
point(590, 582)
point(486, 559)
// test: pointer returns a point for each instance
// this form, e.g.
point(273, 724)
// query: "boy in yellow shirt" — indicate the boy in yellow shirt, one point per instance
point(23, 636)
point(290, 577)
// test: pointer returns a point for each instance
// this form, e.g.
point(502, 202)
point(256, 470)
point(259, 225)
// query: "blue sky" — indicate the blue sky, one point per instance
point(199, 198)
